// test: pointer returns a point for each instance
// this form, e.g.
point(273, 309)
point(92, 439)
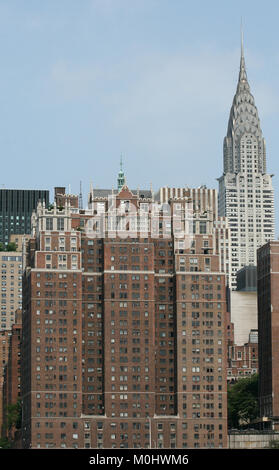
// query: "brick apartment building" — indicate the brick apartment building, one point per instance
point(12, 382)
point(11, 287)
point(11, 376)
point(5, 336)
point(243, 359)
point(268, 329)
point(124, 337)
point(10, 314)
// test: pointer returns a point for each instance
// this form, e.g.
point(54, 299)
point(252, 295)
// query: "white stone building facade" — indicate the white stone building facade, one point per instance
point(246, 195)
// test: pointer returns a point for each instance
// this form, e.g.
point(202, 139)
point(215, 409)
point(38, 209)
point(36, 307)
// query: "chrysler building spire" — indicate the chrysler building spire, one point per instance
point(243, 119)
point(245, 189)
point(242, 81)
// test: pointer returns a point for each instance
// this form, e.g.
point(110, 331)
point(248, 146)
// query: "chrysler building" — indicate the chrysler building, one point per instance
point(246, 195)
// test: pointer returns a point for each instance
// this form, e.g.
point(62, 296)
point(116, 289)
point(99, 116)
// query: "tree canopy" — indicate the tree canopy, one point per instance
point(11, 246)
point(243, 401)
point(13, 413)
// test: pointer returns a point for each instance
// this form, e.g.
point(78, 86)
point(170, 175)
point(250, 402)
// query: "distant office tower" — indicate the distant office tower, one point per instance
point(268, 330)
point(124, 326)
point(203, 199)
point(16, 207)
point(246, 195)
point(205, 202)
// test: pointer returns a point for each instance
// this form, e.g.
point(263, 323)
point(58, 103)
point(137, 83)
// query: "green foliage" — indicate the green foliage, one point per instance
point(274, 444)
point(243, 401)
point(14, 415)
point(12, 423)
point(11, 246)
point(5, 443)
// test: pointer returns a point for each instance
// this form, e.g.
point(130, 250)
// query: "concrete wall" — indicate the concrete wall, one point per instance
point(244, 315)
point(251, 441)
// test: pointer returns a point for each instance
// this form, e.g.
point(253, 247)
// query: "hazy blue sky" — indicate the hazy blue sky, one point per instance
point(83, 81)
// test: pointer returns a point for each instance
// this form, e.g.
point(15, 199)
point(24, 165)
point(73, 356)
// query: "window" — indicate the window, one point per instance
point(203, 227)
point(49, 223)
point(60, 223)
point(74, 262)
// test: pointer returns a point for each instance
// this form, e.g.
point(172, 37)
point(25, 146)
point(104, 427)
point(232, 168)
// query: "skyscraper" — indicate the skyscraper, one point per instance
point(16, 207)
point(246, 195)
point(124, 326)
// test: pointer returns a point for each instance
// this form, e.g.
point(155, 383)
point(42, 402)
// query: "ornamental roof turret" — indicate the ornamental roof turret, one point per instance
point(121, 177)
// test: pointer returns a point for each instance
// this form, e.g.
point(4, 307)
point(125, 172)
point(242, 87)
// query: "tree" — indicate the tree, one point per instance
point(5, 443)
point(11, 246)
point(1, 247)
point(14, 416)
point(274, 444)
point(243, 401)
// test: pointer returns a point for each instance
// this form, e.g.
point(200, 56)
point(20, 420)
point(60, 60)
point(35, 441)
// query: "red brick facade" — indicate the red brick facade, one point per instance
point(124, 338)
point(268, 320)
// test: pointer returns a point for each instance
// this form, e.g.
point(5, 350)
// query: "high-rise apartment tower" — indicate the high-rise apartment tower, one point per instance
point(124, 326)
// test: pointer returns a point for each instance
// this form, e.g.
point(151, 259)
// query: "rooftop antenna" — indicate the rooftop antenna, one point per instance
point(242, 42)
point(91, 196)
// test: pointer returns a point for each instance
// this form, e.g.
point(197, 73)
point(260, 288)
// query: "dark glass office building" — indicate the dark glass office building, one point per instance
point(16, 207)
